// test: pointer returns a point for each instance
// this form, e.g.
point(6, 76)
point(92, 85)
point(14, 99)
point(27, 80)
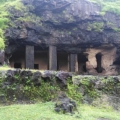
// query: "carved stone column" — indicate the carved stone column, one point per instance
point(52, 58)
point(73, 63)
point(2, 57)
point(29, 55)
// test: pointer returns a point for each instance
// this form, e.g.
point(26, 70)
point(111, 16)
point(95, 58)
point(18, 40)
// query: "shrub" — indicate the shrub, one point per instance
point(2, 44)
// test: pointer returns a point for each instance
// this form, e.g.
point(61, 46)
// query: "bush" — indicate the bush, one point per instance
point(2, 44)
point(109, 5)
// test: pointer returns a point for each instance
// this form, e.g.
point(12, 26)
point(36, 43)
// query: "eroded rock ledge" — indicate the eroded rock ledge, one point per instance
point(86, 88)
point(70, 23)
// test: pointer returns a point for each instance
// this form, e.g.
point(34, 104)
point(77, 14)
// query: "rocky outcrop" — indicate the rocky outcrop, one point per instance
point(101, 59)
point(26, 77)
point(67, 22)
point(22, 84)
point(76, 27)
point(65, 105)
point(19, 84)
point(99, 90)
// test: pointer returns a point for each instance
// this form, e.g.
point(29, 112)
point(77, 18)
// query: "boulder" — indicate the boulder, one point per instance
point(65, 105)
point(25, 76)
point(36, 78)
point(62, 78)
point(48, 75)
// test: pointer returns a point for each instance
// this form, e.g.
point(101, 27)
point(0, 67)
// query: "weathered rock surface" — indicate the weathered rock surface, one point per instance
point(63, 22)
point(65, 105)
point(99, 89)
point(62, 78)
point(104, 90)
point(72, 26)
point(104, 63)
point(26, 77)
point(2, 57)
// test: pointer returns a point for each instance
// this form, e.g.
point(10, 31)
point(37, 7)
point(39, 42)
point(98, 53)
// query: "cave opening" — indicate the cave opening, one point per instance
point(82, 59)
point(99, 68)
point(62, 61)
point(17, 59)
point(41, 59)
point(17, 65)
point(36, 66)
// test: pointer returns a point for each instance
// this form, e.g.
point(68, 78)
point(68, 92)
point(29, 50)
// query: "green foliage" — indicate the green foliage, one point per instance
point(109, 5)
point(17, 5)
point(96, 26)
point(116, 29)
point(72, 92)
point(44, 92)
point(27, 90)
point(2, 44)
point(3, 22)
point(30, 18)
point(110, 86)
point(1, 80)
point(5, 1)
point(89, 88)
point(6, 5)
point(4, 19)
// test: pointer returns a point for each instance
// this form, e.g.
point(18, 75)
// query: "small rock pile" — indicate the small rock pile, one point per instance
point(65, 105)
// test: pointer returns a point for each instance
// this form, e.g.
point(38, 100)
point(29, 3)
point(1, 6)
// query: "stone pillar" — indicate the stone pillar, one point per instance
point(29, 57)
point(2, 57)
point(73, 63)
point(52, 58)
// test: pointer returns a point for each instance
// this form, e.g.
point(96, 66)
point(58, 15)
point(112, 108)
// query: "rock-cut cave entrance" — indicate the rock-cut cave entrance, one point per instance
point(99, 62)
point(17, 65)
point(17, 59)
point(82, 59)
point(62, 61)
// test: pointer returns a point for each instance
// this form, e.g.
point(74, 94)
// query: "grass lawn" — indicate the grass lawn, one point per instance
point(45, 111)
point(9, 68)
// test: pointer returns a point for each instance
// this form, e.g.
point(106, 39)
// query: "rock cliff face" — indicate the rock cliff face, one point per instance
point(72, 25)
point(63, 22)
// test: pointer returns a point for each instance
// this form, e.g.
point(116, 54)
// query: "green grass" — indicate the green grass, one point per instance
point(45, 111)
point(5, 68)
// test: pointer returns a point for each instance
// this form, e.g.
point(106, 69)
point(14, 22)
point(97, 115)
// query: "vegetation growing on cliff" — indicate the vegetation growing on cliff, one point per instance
point(98, 27)
point(16, 7)
point(109, 5)
point(7, 6)
point(4, 18)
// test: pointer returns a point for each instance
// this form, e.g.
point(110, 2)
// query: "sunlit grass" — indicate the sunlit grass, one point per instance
point(45, 111)
point(5, 68)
